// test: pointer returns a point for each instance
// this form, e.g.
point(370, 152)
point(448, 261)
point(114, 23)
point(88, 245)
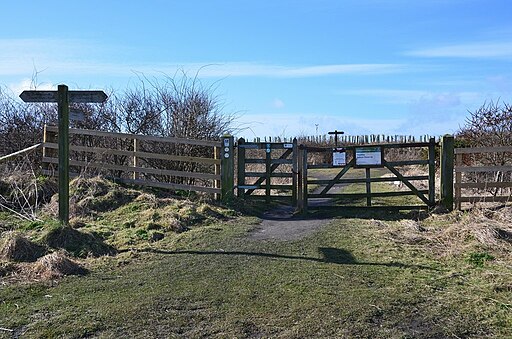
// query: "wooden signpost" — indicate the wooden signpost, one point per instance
point(63, 97)
point(336, 133)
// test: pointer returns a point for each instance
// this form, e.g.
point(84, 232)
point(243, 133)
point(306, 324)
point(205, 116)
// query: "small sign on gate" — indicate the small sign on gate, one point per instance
point(339, 157)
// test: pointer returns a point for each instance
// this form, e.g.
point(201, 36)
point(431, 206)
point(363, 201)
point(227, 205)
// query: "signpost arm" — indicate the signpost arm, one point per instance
point(63, 109)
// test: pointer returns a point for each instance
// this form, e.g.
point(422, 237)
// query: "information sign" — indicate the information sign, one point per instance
point(339, 157)
point(368, 156)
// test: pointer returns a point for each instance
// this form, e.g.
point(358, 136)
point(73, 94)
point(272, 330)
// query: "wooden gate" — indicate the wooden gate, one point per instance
point(267, 170)
point(389, 159)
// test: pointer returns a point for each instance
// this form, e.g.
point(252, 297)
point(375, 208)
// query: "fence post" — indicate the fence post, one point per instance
point(432, 172)
point(135, 149)
point(294, 172)
point(216, 183)
point(240, 179)
point(304, 181)
point(447, 150)
point(227, 168)
point(63, 110)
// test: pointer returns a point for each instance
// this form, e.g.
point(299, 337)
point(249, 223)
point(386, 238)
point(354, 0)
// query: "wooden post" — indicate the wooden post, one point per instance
point(241, 168)
point(135, 174)
point(458, 181)
point(268, 164)
point(432, 172)
point(368, 187)
point(305, 181)
point(447, 150)
point(45, 140)
point(227, 169)
point(294, 172)
point(216, 183)
point(63, 109)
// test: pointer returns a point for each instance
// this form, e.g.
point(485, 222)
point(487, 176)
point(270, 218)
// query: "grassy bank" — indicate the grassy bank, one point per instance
point(370, 276)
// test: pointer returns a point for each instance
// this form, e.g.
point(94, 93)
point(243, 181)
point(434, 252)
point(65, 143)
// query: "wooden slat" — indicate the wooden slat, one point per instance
point(262, 174)
point(366, 208)
point(483, 150)
point(139, 137)
point(408, 162)
point(483, 185)
point(363, 180)
point(254, 161)
point(485, 199)
point(281, 161)
point(272, 197)
point(147, 155)
point(483, 168)
point(277, 187)
point(12, 155)
point(151, 183)
point(154, 171)
point(364, 195)
point(263, 145)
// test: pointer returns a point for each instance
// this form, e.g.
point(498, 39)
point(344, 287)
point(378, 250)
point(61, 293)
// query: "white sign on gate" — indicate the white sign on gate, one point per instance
point(368, 156)
point(339, 157)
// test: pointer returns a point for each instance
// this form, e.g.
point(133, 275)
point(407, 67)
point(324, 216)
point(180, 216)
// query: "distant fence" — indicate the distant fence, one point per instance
point(172, 163)
point(349, 139)
point(491, 182)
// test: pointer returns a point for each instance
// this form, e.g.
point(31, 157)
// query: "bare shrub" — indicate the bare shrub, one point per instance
point(488, 126)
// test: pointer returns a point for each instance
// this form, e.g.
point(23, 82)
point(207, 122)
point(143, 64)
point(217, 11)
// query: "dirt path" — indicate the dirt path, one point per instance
point(282, 224)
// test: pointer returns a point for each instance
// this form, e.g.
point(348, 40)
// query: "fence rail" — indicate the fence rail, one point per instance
point(460, 168)
point(131, 170)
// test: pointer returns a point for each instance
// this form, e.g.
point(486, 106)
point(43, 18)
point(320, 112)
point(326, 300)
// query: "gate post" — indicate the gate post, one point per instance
point(240, 178)
point(302, 202)
point(447, 151)
point(227, 169)
point(432, 172)
point(294, 172)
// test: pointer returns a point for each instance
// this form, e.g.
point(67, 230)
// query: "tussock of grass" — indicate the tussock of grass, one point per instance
point(80, 244)
point(15, 247)
point(56, 265)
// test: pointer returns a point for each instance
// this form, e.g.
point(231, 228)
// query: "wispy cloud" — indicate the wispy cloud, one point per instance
point(469, 50)
point(62, 57)
point(405, 96)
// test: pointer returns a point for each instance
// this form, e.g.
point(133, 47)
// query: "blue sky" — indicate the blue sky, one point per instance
point(365, 66)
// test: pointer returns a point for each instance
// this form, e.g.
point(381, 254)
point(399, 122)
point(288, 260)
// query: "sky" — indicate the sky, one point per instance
point(283, 67)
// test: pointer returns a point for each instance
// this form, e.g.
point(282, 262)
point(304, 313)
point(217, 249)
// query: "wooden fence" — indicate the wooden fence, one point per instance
point(134, 164)
point(481, 183)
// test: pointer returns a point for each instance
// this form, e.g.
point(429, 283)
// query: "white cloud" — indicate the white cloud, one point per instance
point(469, 50)
point(278, 103)
point(82, 57)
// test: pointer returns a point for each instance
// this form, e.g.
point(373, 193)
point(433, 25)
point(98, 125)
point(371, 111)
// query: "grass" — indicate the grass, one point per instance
point(366, 274)
point(346, 281)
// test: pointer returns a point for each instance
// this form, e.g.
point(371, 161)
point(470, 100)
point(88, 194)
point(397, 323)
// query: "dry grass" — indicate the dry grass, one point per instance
point(15, 247)
point(457, 232)
point(55, 265)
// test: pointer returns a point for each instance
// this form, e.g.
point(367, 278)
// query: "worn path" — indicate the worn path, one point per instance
point(283, 224)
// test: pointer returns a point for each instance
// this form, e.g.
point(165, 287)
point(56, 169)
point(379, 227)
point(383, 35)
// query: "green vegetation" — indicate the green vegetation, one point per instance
point(365, 274)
